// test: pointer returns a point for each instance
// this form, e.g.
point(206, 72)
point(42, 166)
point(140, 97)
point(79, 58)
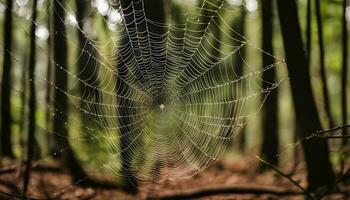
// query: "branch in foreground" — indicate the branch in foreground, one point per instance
point(286, 176)
point(321, 134)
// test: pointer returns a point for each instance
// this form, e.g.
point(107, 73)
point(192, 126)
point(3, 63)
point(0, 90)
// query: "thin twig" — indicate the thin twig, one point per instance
point(286, 176)
point(318, 134)
point(345, 175)
point(335, 136)
point(333, 129)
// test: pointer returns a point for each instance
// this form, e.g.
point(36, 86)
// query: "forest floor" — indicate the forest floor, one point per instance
point(52, 183)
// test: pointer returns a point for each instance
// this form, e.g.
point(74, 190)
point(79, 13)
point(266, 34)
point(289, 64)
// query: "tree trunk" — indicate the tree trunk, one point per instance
point(60, 128)
point(270, 110)
point(297, 155)
point(130, 182)
point(48, 95)
point(32, 103)
point(316, 151)
point(297, 152)
point(6, 119)
point(327, 106)
point(23, 120)
point(308, 31)
point(87, 67)
point(344, 76)
point(154, 10)
point(240, 27)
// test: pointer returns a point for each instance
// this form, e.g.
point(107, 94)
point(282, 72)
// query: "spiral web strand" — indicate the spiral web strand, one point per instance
point(174, 96)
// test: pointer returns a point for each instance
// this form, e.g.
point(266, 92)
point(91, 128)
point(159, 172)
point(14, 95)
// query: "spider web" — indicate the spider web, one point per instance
point(175, 96)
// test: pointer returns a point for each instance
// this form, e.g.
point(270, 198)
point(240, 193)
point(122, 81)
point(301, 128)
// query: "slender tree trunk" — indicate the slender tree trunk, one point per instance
point(60, 128)
point(270, 110)
point(297, 156)
point(240, 27)
point(130, 182)
point(60, 79)
point(87, 67)
point(23, 121)
point(316, 153)
point(344, 80)
point(327, 106)
point(32, 103)
point(48, 84)
point(344, 76)
point(6, 119)
point(308, 31)
point(154, 10)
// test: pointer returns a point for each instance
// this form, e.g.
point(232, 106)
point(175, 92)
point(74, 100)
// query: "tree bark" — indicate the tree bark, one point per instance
point(154, 10)
point(308, 31)
point(240, 26)
point(297, 155)
point(344, 76)
point(327, 106)
point(23, 121)
point(88, 69)
point(130, 182)
point(60, 125)
point(6, 119)
point(48, 95)
point(270, 110)
point(60, 79)
point(32, 103)
point(316, 151)
point(297, 152)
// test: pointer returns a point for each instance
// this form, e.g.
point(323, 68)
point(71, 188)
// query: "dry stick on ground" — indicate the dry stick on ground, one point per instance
point(7, 169)
point(224, 189)
point(16, 196)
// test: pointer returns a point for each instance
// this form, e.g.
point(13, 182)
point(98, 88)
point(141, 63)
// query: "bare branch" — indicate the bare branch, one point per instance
point(286, 176)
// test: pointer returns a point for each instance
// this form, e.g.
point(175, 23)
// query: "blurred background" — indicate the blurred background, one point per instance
point(48, 115)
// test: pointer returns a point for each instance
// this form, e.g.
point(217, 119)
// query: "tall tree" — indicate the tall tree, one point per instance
point(60, 128)
point(23, 121)
point(60, 77)
point(308, 31)
point(6, 119)
point(87, 64)
point(327, 106)
point(270, 110)
point(316, 152)
point(154, 10)
point(130, 184)
point(32, 102)
point(240, 27)
point(297, 152)
point(48, 95)
point(344, 76)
